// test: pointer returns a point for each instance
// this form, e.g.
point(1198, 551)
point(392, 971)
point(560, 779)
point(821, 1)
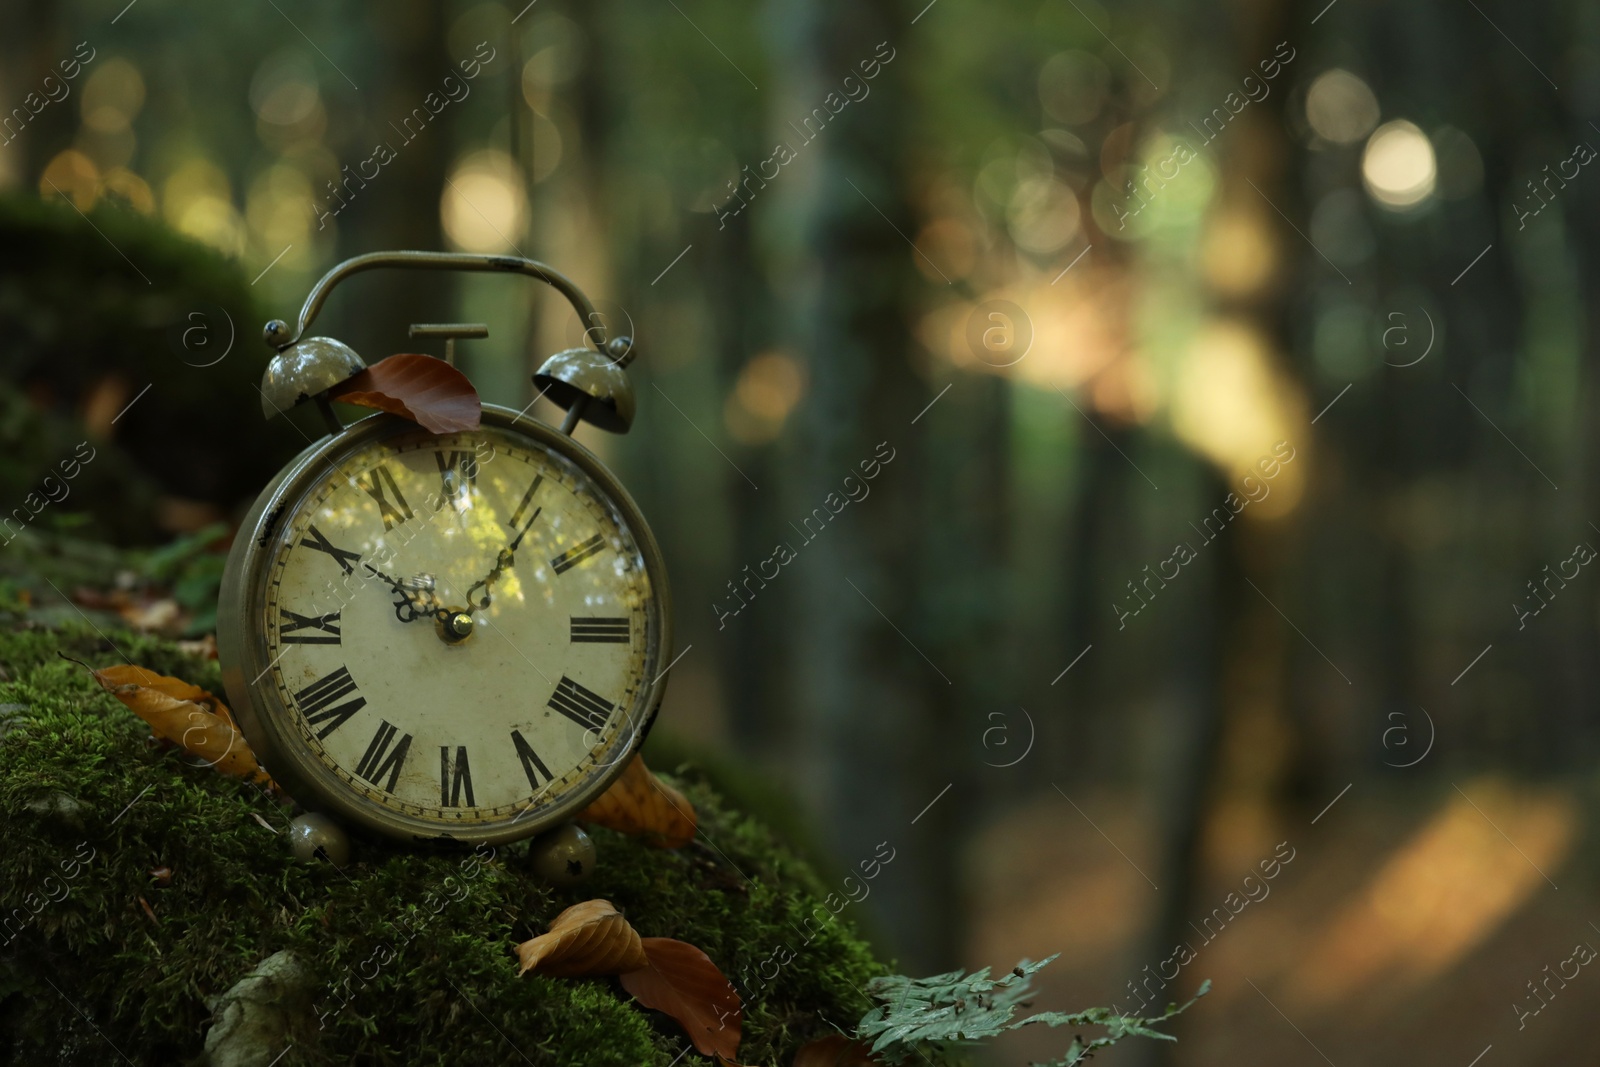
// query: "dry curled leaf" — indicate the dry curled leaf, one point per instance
point(835, 1050)
point(682, 981)
point(187, 715)
point(585, 941)
point(428, 391)
point(639, 803)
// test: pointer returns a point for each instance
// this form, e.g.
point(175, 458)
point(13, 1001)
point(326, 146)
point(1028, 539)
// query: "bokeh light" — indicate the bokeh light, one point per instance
point(197, 200)
point(1043, 215)
point(1232, 405)
point(278, 208)
point(284, 90)
point(559, 57)
point(1340, 107)
point(1238, 254)
point(1398, 165)
point(112, 96)
point(483, 207)
point(73, 175)
point(123, 184)
point(769, 387)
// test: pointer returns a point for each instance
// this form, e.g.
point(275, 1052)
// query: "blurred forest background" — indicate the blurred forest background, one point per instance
point(1083, 271)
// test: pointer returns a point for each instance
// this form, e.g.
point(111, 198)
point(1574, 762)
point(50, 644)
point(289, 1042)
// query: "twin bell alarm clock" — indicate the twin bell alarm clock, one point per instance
point(445, 637)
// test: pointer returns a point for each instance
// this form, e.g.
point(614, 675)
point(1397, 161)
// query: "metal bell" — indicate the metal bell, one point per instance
point(305, 369)
point(594, 384)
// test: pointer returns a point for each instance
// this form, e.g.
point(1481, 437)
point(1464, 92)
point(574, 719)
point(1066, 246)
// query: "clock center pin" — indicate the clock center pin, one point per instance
point(456, 627)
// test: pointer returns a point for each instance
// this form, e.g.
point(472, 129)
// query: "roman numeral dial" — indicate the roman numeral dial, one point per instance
point(343, 557)
point(324, 628)
point(583, 706)
point(324, 703)
point(600, 630)
point(379, 484)
point(577, 554)
point(384, 755)
point(538, 774)
point(454, 776)
point(458, 475)
point(373, 705)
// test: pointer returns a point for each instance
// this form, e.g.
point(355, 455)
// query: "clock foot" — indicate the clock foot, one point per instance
point(315, 838)
point(563, 857)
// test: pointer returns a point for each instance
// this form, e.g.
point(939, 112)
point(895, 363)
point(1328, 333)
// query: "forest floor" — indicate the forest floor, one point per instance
point(1402, 933)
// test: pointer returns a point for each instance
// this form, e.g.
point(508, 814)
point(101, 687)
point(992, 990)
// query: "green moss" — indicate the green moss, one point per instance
point(412, 951)
point(106, 307)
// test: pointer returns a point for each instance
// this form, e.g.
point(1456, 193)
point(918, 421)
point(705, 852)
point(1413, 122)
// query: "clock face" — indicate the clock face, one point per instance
point(459, 631)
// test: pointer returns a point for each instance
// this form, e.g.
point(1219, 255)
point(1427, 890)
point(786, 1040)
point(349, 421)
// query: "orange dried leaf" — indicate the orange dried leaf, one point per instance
point(187, 715)
point(428, 391)
point(639, 803)
point(683, 982)
point(835, 1050)
point(585, 941)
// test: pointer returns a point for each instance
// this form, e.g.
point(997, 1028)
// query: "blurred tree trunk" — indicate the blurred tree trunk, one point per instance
point(1239, 669)
point(400, 208)
point(878, 739)
point(963, 620)
point(1187, 784)
point(34, 44)
point(756, 654)
point(1582, 640)
point(1076, 709)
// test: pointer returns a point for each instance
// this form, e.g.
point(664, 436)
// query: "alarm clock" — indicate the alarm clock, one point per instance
point(446, 637)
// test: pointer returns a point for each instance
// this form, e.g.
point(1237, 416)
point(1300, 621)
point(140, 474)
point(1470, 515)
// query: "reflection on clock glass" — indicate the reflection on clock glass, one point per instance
point(460, 625)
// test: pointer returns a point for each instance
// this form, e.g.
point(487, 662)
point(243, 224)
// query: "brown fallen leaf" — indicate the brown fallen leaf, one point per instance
point(428, 391)
point(683, 982)
point(639, 803)
point(585, 941)
point(835, 1050)
point(187, 715)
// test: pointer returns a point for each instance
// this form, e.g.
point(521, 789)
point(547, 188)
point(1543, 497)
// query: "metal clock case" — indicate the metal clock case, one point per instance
point(355, 642)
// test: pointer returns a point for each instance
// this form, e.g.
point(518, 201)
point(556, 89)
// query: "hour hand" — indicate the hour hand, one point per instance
point(405, 605)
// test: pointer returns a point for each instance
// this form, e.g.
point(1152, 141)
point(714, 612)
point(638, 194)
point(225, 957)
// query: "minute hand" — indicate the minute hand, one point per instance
point(507, 558)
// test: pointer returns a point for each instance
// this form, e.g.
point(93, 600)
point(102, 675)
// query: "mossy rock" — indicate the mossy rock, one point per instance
point(401, 957)
point(119, 297)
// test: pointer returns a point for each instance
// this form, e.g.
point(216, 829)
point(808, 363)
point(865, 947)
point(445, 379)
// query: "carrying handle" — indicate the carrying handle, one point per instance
point(277, 334)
